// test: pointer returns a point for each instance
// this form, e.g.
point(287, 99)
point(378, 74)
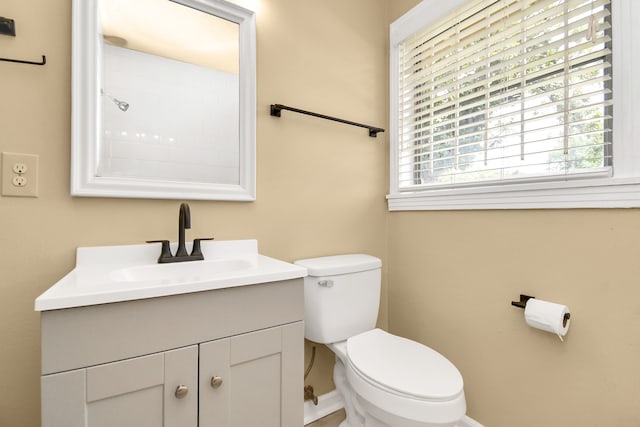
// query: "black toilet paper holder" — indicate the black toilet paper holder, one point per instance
point(523, 303)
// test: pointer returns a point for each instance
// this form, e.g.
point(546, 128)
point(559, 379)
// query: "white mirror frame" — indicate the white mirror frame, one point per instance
point(85, 123)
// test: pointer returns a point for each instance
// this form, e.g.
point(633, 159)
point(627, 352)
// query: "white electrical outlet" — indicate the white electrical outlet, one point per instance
point(19, 175)
point(19, 181)
point(20, 168)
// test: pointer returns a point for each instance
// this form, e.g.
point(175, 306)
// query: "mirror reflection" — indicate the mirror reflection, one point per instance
point(169, 93)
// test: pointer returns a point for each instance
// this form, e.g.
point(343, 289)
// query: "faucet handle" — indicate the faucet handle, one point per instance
point(165, 252)
point(197, 250)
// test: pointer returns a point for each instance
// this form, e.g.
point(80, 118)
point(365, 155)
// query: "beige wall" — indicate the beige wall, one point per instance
point(321, 190)
point(453, 276)
point(515, 375)
point(321, 185)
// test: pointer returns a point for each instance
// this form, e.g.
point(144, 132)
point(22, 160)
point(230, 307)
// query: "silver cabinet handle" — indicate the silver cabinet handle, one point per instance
point(181, 391)
point(216, 382)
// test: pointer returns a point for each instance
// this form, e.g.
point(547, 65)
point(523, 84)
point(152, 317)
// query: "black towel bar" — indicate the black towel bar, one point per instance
point(276, 110)
point(20, 61)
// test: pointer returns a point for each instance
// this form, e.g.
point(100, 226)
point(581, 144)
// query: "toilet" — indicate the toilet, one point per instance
point(385, 380)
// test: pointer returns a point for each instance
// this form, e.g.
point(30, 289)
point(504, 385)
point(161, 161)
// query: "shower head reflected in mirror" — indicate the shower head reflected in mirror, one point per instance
point(122, 105)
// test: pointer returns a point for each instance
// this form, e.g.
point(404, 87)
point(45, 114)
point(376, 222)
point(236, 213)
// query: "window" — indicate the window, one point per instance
point(511, 103)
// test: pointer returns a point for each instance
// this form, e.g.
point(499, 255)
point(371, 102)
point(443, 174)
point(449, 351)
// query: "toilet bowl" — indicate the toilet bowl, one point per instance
point(385, 380)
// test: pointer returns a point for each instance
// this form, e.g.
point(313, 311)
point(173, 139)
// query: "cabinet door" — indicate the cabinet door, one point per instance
point(139, 392)
point(254, 379)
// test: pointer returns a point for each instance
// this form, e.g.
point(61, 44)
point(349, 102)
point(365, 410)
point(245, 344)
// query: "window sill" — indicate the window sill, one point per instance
point(602, 193)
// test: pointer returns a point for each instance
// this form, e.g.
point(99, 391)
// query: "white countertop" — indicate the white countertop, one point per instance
point(108, 274)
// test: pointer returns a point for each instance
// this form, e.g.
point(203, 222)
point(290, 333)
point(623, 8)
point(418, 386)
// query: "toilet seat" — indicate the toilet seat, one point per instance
point(404, 378)
point(404, 367)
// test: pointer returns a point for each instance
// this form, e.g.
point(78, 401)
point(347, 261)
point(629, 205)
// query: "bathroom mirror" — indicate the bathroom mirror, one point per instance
point(163, 99)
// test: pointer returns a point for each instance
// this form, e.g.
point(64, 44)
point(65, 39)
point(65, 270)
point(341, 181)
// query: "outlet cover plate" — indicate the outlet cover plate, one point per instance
point(31, 176)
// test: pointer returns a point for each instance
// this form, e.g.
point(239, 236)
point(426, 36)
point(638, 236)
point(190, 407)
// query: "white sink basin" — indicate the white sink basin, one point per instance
point(111, 274)
point(183, 272)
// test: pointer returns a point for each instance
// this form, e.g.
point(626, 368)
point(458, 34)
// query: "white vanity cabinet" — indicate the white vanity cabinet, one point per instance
point(226, 358)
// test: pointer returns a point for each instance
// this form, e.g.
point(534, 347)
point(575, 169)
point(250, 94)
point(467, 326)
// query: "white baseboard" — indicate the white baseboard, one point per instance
point(331, 402)
point(328, 403)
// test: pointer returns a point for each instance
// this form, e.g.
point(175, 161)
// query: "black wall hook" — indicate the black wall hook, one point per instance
point(20, 61)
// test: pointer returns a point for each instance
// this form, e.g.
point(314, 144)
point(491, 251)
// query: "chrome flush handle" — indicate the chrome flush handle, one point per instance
point(326, 283)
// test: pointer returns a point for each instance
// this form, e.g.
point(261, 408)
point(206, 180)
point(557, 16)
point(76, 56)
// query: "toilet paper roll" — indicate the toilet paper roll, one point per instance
point(547, 316)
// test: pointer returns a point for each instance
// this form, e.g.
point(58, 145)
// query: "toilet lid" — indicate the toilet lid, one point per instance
point(339, 264)
point(403, 366)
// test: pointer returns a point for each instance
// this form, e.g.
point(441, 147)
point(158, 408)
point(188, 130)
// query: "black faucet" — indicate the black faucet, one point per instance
point(184, 222)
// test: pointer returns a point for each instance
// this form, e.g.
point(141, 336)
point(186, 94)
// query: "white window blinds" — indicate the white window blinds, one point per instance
point(506, 90)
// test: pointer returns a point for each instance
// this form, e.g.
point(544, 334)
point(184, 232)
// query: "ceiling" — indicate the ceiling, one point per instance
point(171, 30)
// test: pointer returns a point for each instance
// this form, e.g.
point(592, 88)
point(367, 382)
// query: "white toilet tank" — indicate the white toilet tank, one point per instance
point(341, 296)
